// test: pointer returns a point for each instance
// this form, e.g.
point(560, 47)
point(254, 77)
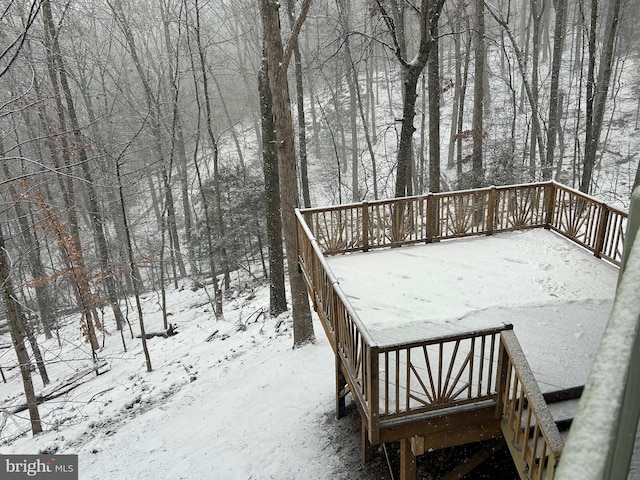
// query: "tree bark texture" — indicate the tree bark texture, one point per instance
point(278, 60)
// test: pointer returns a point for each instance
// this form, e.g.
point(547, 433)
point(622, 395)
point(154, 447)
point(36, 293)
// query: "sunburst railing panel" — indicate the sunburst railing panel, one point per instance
point(595, 225)
point(519, 207)
point(443, 371)
point(461, 214)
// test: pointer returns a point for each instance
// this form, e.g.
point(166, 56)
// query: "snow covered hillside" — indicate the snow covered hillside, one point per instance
point(243, 405)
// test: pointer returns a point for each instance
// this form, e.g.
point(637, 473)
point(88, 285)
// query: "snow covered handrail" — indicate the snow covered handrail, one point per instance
point(527, 425)
point(349, 339)
point(484, 211)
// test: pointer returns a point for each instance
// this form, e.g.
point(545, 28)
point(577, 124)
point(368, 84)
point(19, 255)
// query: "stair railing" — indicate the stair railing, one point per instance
point(528, 427)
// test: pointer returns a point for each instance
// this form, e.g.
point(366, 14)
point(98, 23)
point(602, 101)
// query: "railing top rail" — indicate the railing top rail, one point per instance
point(444, 338)
point(556, 184)
point(532, 390)
point(345, 206)
point(334, 281)
point(583, 195)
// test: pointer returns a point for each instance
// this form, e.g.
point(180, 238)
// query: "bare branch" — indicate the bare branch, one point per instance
point(288, 51)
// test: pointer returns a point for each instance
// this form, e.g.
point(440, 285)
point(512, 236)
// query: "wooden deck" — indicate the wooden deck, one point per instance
point(434, 390)
point(556, 296)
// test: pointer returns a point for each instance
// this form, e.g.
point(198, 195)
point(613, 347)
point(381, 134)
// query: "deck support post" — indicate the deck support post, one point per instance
point(407, 460)
point(367, 448)
point(341, 391)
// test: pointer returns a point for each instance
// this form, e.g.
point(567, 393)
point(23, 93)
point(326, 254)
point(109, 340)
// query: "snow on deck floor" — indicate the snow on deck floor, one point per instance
point(557, 295)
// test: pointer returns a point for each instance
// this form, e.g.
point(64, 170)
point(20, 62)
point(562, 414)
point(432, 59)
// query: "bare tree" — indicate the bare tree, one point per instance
point(428, 17)
point(600, 92)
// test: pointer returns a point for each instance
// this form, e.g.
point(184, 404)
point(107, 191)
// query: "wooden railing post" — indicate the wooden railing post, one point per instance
point(501, 377)
point(365, 226)
point(432, 203)
point(603, 220)
point(491, 210)
point(550, 203)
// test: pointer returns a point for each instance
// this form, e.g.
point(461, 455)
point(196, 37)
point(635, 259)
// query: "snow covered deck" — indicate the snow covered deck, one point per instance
point(445, 342)
point(557, 296)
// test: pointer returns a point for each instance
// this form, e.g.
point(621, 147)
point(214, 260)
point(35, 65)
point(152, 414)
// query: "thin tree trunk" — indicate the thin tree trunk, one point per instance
point(433, 76)
point(136, 293)
point(302, 127)
point(600, 93)
point(17, 337)
point(215, 152)
point(208, 220)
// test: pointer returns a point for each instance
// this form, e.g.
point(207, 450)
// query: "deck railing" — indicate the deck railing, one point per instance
point(398, 381)
point(530, 431)
point(452, 370)
point(592, 224)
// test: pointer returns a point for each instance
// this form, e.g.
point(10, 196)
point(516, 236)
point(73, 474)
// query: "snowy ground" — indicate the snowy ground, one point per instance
point(244, 405)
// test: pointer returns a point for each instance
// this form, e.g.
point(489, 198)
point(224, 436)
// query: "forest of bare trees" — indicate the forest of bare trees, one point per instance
point(148, 141)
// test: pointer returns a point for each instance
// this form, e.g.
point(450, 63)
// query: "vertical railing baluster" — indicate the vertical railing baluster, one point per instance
point(397, 378)
point(408, 380)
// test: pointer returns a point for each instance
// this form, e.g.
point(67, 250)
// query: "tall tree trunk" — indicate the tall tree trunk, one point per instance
point(214, 150)
point(129, 245)
point(80, 273)
point(302, 126)
point(278, 61)
point(478, 97)
point(208, 216)
point(429, 14)
point(34, 258)
point(277, 296)
point(96, 220)
point(554, 115)
point(433, 77)
point(352, 80)
point(600, 93)
point(177, 134)
point(537, 13)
